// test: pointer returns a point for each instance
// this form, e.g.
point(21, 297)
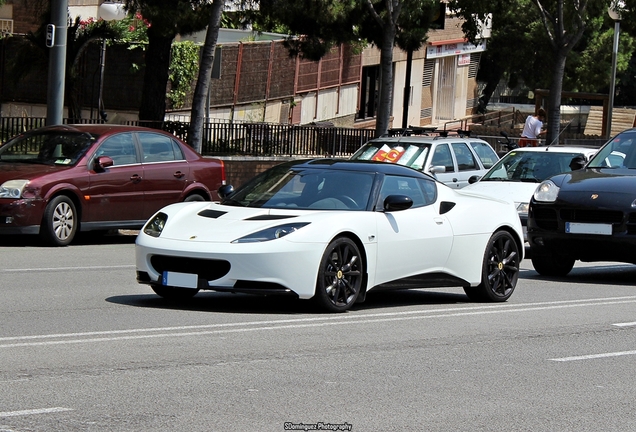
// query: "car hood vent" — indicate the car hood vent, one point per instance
point(212, 214)
point(269, 217)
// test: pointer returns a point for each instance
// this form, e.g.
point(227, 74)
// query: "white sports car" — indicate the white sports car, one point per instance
point(332, 230)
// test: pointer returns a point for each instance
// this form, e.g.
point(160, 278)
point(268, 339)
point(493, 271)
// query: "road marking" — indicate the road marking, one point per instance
point(594, 356)
point(34, 411)
point(330, 320)
point(629, 324)
point(48, 269)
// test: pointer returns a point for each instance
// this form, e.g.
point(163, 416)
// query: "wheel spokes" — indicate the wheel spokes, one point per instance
point(340, 275)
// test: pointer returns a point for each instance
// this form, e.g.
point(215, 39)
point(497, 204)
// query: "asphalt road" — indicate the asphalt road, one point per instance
point(83, 347)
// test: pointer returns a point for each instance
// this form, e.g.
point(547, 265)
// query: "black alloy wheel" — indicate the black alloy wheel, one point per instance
point(500, 270)
point(340, 275)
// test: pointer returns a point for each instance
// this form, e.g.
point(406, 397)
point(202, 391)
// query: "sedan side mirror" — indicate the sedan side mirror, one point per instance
point(225, 191)
point(473, 179)
point(437, 169)
point(103, 162)
point(397, 203)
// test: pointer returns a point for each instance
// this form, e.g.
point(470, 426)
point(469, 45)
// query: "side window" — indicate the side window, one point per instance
point(465, 158)
point(156, 147)
point(442, 156)
point(120, 148)
point(429, 190)
point(486, 154)
point(394, 185)
point(178, 153)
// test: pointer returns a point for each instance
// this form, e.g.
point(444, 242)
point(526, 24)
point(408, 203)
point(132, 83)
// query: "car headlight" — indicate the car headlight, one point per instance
point(12, 188)
point(522, 207)
point(155, 226)
point(271, 233)
point(546, 192)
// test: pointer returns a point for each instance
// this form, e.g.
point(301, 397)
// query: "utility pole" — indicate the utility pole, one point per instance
point(56, 40)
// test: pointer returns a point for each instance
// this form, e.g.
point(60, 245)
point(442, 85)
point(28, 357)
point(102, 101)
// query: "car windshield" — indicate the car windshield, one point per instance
point(323, 189)
point(410, 155)
point(46, 147)
point(525, 166)
point(620, 152)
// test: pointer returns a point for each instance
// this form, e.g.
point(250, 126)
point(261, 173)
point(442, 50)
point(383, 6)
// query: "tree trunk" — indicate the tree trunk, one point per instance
point(554, 99)
point(153, 97)
point(195, 134)
point(386, 81)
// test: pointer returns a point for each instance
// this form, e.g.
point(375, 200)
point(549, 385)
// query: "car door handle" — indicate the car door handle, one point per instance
point(135, 178)
point(439, 221)
point(178, 174)
point(455, 180)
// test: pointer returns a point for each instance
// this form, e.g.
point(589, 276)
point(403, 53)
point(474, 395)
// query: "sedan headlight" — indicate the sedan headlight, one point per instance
point(12, 188)
point(155, 226)
point(546, 192)
point(271, 233)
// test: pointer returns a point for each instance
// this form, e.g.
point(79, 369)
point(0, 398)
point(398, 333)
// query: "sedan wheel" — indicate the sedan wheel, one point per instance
point(500, 270)
point(340, 275)
point(59, 223)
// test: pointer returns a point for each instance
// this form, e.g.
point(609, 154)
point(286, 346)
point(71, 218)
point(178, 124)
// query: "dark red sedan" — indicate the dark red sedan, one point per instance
point(58, 180)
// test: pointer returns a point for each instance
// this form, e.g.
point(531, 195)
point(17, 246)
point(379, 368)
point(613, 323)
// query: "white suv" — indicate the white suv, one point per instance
point(452, 159)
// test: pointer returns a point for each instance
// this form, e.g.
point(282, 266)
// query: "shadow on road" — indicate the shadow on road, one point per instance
point(82, 239)
point(209, 301)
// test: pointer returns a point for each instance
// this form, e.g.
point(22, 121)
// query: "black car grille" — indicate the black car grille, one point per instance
point(207, 269)
point(546, 218)
point(591, 216)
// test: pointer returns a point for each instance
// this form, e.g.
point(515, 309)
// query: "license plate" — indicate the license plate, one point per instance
point(588, 228)
point(180, 280)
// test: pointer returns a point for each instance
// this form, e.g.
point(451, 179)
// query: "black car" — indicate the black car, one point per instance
point(588, 214)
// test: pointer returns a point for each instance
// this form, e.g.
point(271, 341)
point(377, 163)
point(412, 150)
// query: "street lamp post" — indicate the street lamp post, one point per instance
point(108, 11)
point(614, 13)
point(56, 40)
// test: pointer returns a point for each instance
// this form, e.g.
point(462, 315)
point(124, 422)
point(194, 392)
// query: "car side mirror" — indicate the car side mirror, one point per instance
point(397, 203)
point(103, 162)
point(225, 191)
point(473, 179)
point(437, 169)
point(577, 163)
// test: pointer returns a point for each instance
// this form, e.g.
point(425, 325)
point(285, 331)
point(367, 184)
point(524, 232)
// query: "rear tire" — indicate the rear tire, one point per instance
point(59, 223)
point(194, 197)
point(340, 276)
point(500, 270)
point(172, 293)
point(550, 264)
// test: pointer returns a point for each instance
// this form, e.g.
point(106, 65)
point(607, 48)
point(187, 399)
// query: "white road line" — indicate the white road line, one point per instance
point(594, 356)
point(34, 411)
point(26, 270)
point(629, 324)
point(254, 326)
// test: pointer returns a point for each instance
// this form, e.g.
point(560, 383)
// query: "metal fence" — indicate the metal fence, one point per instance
point(239, 138)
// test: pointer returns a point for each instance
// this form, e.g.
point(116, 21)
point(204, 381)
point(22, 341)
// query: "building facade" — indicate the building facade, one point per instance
point(260, 82)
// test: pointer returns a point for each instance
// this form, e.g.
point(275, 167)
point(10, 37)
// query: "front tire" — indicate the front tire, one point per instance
point(549, 264)
point(340, 275)
point(172, 293)
point(500, 270)
point(59, 223)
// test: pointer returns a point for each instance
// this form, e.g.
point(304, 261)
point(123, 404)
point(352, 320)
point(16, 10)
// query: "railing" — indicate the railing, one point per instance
point(239, 138)
point(507, 117)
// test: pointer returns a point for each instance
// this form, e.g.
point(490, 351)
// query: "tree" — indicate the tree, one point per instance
point(317, 25)
point(205, 74)
point(563, 26)
point(167, 18)
point(32, 56)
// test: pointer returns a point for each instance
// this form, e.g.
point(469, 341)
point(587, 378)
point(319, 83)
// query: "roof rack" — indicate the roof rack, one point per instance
point(427, 130)
point(412, 130)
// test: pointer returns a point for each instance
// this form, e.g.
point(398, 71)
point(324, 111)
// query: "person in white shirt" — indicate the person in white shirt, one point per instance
point(533, 129)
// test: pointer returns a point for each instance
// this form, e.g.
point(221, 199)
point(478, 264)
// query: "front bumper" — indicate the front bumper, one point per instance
point(273, 267)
